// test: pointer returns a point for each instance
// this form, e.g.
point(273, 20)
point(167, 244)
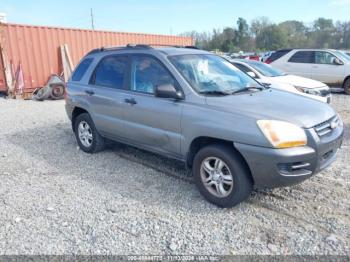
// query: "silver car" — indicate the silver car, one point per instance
point(196, 107)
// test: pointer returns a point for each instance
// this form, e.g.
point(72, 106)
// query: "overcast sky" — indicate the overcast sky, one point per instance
point(165, 17)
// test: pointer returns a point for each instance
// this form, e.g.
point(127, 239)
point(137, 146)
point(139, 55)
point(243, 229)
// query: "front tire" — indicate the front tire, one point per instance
point(220, 175)
point(87, 136)
point(347, 86)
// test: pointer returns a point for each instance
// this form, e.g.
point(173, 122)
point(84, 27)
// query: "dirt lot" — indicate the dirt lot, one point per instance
point(55, 199)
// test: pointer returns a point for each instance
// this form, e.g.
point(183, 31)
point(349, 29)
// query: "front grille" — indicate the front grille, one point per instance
point(327, 127)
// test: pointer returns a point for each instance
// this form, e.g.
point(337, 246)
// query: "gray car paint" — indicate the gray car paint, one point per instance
point(168, 126)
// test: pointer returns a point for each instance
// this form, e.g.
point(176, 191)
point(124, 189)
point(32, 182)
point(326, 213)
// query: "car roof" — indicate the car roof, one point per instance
point(173, 50)
point(306, 49)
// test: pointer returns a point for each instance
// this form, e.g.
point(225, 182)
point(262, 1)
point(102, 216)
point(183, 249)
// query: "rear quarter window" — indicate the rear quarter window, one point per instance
point(277, 55)
point(81, 69)
point(111, 72)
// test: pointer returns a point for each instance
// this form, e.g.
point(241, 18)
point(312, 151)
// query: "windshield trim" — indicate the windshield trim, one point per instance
point(198, 92)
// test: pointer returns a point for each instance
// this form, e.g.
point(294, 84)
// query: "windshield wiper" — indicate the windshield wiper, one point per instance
point(215, 92)
point(249, 88)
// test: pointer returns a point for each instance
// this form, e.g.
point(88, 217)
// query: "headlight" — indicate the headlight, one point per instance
point(340, 121)
point(310, 91)
point(282, 134)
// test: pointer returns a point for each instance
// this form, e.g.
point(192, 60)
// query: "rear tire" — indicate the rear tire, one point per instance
point(87, 136)
point(347, 86)
point(214, 167)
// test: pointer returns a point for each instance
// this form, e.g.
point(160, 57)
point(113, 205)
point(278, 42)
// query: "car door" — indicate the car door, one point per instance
point(108, 79)
point(300, 63)
point(327, 70)
point(152, 122)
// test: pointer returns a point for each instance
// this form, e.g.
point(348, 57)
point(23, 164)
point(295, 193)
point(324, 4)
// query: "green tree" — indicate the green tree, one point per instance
point(259, 24)
point(296, 32)
point(229, 37)
point(243, 39)
point(343, 34)
point(261, 35)
point(323, 34)
point(271, 38)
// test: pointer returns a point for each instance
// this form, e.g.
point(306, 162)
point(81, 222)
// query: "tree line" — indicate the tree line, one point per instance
point(263, 35)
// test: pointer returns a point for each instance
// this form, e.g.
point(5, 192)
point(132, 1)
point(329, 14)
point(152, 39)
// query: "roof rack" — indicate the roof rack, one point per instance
point(179, 46)
point(111, 48)
point(135, 46)
point(142, 46)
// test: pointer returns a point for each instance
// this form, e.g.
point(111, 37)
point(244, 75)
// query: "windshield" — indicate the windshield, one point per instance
point(212, 74)
point(265, 69)
point(343, 55)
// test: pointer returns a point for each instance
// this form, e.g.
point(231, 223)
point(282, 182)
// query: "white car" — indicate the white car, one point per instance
point(267, 75)
point(329, 66)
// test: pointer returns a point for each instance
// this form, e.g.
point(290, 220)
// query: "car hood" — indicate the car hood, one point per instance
point(296, 81)
point(274, 105)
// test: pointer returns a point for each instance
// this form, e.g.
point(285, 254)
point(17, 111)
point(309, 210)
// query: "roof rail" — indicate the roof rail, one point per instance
point(134, 46)
point(191, 47)
point(142, 46)
point(111, 48)
point(181, 46)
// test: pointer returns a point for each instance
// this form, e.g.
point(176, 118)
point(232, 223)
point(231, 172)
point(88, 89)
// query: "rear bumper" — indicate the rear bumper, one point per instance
point(69, 110)
point(284, 167)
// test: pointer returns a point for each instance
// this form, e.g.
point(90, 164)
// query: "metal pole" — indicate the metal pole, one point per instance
point(92, 20)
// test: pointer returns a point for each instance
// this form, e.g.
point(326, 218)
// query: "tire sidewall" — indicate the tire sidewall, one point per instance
point(347, 87)
point(85, 117)
point(242, 184)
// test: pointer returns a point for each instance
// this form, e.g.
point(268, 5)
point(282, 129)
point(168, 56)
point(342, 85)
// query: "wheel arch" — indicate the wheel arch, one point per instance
point(202, 141)
point(346, 79)
point(75, 113)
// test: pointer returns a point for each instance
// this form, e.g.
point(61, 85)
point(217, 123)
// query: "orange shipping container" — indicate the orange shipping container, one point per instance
point(37, 48)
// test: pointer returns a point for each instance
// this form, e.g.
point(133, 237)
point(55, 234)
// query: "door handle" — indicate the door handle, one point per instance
point(89, 92)
point(130, 101)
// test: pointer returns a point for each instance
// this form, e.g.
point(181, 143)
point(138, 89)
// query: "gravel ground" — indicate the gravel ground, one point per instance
point(55, 199)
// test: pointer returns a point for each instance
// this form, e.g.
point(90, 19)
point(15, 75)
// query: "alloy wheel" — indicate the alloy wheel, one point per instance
point(216, 177)
point(85, 134)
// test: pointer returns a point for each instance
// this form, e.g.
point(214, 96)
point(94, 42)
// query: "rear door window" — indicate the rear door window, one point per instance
point(81, 69)
point(111, 72)
point(306, 57)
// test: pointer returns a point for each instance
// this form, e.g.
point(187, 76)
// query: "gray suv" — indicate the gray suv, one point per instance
point(196, 107)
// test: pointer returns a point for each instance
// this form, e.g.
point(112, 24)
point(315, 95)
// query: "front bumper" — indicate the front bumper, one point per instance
point(284, 167)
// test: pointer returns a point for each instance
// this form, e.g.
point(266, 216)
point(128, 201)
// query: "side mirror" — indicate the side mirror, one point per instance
point(337, 61)
point(168, 91)
point(252, 74)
